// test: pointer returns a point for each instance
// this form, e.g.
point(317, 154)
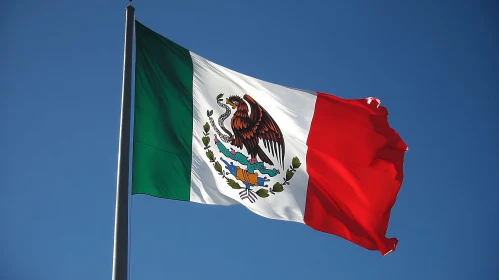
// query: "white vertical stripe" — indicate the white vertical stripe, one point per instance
point(292, 109)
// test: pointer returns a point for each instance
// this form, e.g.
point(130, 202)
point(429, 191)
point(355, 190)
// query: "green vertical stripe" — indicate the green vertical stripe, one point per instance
point(162, 149)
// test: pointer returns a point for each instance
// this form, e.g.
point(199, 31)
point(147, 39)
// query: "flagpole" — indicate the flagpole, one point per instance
point(120, 251)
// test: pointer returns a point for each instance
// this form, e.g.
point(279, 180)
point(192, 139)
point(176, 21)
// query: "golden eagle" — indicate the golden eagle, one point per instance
point(248, 130)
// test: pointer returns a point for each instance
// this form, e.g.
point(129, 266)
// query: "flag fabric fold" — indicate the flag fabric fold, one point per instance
point(207, 134)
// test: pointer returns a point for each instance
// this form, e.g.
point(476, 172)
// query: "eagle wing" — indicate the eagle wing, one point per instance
point(243, 132)
point(265, 128)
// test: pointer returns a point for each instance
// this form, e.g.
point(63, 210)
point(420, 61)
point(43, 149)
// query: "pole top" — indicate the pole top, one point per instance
point(129, 6)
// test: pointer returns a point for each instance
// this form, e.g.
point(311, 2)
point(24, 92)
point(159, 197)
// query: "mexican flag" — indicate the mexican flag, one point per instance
point(207, 134)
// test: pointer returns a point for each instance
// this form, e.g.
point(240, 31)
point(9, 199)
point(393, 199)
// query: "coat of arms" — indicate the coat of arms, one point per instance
point(250, 129)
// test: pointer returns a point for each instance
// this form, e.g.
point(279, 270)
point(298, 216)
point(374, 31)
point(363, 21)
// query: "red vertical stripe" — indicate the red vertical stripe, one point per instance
point(355, 167)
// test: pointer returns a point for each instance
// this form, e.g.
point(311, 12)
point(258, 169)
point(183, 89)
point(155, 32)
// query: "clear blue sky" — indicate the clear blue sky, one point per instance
point(433, 64)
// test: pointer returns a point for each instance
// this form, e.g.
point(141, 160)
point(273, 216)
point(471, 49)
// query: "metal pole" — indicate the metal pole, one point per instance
point(120, 251)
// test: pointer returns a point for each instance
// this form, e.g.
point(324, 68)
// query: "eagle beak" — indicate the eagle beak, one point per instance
point(227, 101)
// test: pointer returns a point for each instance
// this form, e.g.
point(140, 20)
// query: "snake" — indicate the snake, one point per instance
point(221, 119)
